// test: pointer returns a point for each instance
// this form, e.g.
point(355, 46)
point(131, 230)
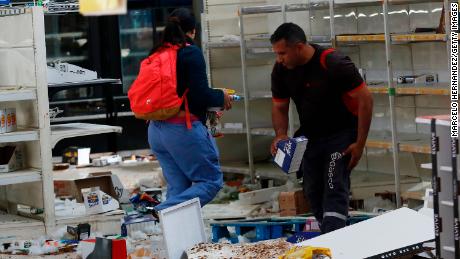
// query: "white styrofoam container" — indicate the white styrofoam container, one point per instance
point(182, 227)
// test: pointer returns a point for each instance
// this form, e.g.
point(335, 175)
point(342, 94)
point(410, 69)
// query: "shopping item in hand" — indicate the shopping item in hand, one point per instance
point(214, 115)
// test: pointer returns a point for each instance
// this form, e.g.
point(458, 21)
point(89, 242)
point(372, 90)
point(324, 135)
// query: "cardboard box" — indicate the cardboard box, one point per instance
point(76, 156)
point(80, 232)
point(97, 201)
point(106, 181)
point(292, 203)
point(11, 159)
point(290, 154)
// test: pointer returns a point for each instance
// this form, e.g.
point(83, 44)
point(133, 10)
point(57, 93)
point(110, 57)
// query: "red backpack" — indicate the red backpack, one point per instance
point(153, 95)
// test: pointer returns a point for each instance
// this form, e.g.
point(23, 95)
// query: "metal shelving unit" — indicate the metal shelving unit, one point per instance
point(248, 41)
point(36, 133)
point(33, 186)
point(390, 39)
point(411, 89)
point(71, 130)
point(396, 38)
point(247, 48)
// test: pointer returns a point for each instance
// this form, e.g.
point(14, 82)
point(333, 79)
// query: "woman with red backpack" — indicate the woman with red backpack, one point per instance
point(186, 151)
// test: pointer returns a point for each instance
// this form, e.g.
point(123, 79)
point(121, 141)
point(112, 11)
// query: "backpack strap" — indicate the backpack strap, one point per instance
point(322, 58)
point(188, 119)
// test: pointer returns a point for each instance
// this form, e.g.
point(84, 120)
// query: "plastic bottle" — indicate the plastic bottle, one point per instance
point(234, 97)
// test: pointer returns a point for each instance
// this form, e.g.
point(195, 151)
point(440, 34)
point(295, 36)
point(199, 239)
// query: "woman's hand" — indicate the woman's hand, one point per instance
point(227, 101)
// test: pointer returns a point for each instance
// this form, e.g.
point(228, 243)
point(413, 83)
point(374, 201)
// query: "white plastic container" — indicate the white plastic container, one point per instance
point(2, 121)
point(10, 119)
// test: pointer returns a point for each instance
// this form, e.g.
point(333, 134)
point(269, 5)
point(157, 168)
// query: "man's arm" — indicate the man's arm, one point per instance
point(365, 103)
point(280, 120)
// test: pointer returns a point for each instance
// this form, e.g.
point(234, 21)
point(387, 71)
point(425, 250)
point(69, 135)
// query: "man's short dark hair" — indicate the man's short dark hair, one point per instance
point(290, 32)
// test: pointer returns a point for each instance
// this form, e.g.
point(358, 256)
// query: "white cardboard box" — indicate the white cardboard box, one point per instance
point(15, 160)
point(97, 201)
point(290, 154)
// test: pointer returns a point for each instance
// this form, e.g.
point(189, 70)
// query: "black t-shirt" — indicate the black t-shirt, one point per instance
point(318, 92)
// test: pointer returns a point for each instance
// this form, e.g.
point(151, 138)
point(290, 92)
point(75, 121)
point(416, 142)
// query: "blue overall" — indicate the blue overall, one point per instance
point(189, 159)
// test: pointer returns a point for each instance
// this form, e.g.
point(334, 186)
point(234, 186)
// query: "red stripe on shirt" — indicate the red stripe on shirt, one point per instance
point(280, 100)
point(354, 90)
point(350, 102)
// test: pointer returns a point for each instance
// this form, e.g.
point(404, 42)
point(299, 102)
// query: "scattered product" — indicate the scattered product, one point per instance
point(290, 153)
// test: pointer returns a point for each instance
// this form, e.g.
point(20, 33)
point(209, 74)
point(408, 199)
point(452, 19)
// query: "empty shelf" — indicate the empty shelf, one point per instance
point(11, 95)
point(254, 131)
point(408, 142)
point(400, 38)
point(418, 37)
point(79, 118)
point(410, 89)
point(365, 179)
point(260, 95)
point(306, 7)
point(223, 44)
point(21, 135)
point(322, 5)
point(360, 38)
point(358, 3)
point(106, 217)
point(20, 176)
point(446, 169)
point(136, 30)
point(447, 203)
point(8, 221)
point(261, 41)
point(427, 166)
point(448, 249)
point(87, 82)
point(263, 170)
point(443, 120)
point(65, 35)
point(430, 167)
point(260, 9)
point(18, 46)
point(70, 130)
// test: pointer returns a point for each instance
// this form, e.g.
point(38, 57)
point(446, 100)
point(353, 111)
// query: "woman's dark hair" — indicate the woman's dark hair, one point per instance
point(180, 21)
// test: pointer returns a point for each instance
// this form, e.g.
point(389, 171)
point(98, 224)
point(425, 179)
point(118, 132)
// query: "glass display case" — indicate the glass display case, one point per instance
point(113, 46)
point(136, 40)
point(67, 41)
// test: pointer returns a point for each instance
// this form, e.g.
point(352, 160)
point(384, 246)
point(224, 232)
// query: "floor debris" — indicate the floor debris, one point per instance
point(271, 249)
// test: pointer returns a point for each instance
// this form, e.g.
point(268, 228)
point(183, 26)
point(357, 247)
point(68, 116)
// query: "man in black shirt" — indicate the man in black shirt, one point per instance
point(335, 111)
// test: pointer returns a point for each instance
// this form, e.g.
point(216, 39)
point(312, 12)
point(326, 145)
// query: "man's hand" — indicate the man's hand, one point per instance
point(277, 139)
point(227, 101)
point(356, 152)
